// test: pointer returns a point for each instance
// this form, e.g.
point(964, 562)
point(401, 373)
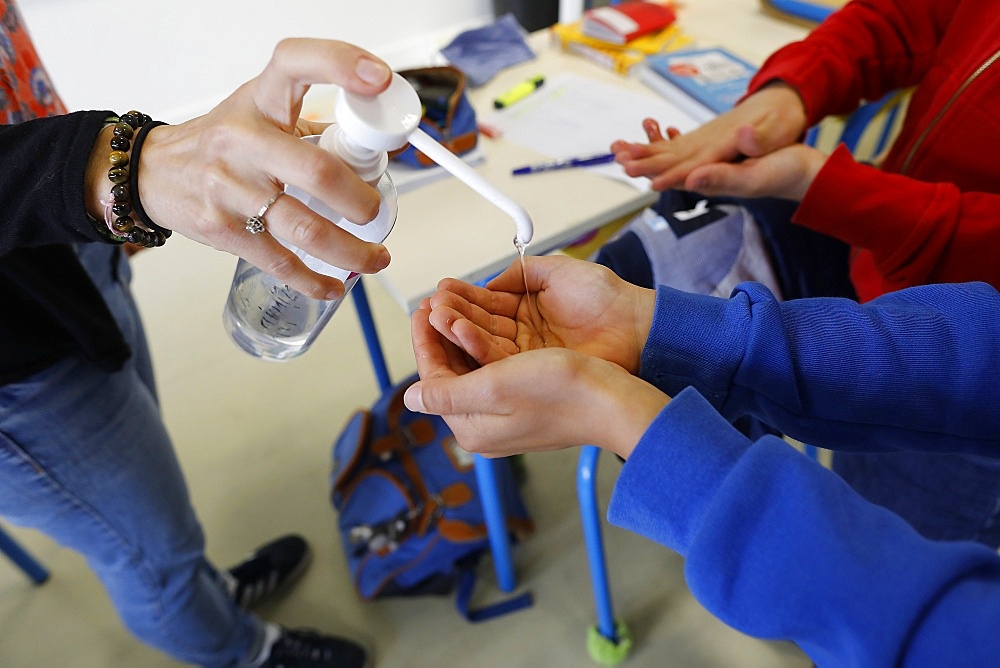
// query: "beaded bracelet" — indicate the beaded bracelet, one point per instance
point(133, 180)
point(119, 224)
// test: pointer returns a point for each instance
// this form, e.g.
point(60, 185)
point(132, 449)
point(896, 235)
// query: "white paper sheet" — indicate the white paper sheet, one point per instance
point(573, 115)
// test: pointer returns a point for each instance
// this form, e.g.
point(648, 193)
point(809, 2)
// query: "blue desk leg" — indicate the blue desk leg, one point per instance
point(586, 490)
point(32, 568)
point(496, 524)
point(371, 335)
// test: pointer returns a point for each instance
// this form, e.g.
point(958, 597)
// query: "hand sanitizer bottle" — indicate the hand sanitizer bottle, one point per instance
point(270, 320)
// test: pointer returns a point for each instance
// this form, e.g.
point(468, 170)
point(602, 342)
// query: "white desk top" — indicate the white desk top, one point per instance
point(445, 229)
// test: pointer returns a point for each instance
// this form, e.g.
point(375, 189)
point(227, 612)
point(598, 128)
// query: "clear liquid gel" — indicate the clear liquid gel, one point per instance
point(533, 313)
point(268, 319)
point(525, 229)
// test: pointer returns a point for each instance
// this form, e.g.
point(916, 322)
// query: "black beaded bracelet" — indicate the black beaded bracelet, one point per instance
point(133, 180)
point(119, 224)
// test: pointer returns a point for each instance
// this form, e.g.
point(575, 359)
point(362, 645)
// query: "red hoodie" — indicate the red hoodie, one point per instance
point(931, 214)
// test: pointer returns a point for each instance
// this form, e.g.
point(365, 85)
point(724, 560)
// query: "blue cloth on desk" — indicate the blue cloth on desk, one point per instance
point(483, 52)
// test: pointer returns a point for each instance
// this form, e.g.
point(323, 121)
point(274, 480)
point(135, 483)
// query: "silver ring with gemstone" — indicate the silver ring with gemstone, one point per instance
point(255, 224)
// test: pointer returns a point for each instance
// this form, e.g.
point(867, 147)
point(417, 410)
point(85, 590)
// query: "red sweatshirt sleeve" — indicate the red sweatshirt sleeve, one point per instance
point(912, 232)
point(863, 51)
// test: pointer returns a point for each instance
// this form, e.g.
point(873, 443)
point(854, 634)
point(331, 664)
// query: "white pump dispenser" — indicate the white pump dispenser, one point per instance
point(389, 120)
point(368, 164)
point(268, 319)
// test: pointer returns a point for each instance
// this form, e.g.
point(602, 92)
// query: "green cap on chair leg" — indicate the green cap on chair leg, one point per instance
point(604, 650)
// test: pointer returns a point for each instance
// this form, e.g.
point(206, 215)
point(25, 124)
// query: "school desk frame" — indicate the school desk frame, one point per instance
point(22, 559)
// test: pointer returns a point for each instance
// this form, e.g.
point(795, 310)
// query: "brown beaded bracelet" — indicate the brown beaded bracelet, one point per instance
point(120, 224)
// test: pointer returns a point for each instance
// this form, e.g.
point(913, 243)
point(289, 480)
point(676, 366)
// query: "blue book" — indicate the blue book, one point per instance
point(704, 81)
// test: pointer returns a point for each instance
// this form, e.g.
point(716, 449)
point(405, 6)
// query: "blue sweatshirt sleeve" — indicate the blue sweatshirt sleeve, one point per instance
point(917, 369)
point(779, 547)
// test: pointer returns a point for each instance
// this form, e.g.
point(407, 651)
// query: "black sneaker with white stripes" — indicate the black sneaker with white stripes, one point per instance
point(300, 648)
point(270, 568)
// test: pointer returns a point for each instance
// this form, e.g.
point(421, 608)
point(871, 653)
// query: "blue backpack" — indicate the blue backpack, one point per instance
point(448, 116)
point(408, 504)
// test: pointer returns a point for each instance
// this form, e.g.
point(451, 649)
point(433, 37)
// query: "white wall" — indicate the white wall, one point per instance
point(174, 59)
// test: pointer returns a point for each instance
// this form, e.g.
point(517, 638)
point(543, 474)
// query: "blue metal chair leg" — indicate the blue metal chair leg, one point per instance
point(586, 490)
point(609, 642)
point(807, 10)
point(25, 561)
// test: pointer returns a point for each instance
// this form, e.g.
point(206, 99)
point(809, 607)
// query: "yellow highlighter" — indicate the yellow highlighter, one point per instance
point(519, 92)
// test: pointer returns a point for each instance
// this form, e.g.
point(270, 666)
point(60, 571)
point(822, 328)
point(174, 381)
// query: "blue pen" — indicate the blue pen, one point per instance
point(568, 163)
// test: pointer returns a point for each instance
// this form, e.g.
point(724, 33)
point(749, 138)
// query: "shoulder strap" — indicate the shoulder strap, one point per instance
point(467, 582)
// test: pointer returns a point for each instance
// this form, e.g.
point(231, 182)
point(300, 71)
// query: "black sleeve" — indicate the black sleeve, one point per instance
point(41, 182)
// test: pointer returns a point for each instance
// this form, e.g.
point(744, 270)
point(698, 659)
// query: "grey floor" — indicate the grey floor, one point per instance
point(254, 439)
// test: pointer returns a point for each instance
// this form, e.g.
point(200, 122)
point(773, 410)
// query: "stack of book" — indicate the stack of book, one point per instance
point(623, 35)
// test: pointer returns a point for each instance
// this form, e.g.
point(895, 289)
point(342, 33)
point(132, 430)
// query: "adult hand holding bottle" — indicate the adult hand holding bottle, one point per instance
point(205, 178)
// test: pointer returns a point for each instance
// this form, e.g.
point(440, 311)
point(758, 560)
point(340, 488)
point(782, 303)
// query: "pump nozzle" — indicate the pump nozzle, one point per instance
point(386, 121)
point(470, 177)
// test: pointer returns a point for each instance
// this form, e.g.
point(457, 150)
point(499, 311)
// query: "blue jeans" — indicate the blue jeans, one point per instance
point(85, 458)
